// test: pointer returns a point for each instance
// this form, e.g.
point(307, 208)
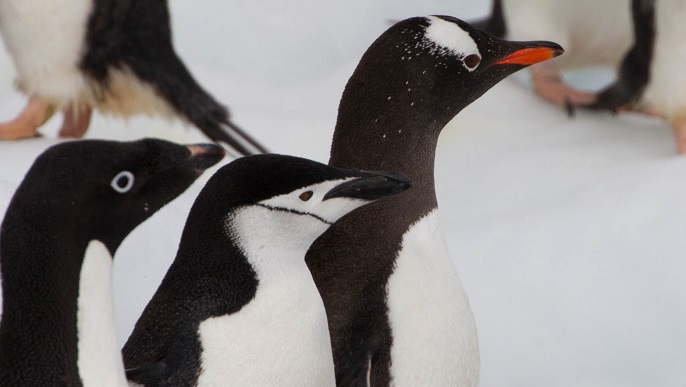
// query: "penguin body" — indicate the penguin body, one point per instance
point(115, 56)
point(398, 314)
point(77, 203)
point(238, 305)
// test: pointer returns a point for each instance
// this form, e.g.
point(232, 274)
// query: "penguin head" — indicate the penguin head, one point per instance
point(284, 201)
point(431, 68)
point(103, 189)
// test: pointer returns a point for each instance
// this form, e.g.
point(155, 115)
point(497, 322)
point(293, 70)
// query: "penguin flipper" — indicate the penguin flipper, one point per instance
point(162, 370)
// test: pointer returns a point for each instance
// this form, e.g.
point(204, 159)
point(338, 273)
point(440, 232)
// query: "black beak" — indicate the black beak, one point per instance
point(203, 156)
point(528, 53)
point(371, 185)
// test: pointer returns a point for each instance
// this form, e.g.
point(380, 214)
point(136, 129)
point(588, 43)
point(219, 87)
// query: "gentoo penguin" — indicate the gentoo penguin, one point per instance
point(238, 305)
point(115, 56)
point(593, 33)
point(651, 77)
point(74, 207)
point(398, 314)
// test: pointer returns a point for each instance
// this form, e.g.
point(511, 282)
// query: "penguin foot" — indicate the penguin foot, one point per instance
point(28, 121)
point(679, 129)
point(548, 84)
point(76, 121)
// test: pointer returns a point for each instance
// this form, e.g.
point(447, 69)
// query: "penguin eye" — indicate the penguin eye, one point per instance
point(305, 196)
point(123, 182)
point(471, 61)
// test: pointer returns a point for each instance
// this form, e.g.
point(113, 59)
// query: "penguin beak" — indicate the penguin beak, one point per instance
point(203, 156)
point(371, 186)
point(532, 52)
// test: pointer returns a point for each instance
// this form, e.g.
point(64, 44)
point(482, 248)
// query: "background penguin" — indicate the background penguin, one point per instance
point(76, 204)
point(115, 56)
point(397, 312)
point(593, 33)
point(238, 305)
point(651, 78)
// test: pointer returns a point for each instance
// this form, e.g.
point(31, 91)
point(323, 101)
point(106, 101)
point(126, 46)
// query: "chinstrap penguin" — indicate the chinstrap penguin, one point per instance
point(238, 305)
point(397, 312)
point(651, 78)
point(115, 56)
point(76, 204)
point(593, 33)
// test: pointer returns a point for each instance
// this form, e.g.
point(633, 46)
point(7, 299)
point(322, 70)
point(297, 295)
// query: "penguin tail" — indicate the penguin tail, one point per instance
point(191, 101)
point(494, 24)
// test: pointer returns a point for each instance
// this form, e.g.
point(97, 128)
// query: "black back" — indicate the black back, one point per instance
point(634, 72)
point(210, 275)
point(390, 117)
point(137, 35)
point(65, 201)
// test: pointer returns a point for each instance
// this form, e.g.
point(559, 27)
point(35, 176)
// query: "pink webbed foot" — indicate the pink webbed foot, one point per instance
point(76, 121)
point(679, 129)
point(26, 124)
point(548, 84)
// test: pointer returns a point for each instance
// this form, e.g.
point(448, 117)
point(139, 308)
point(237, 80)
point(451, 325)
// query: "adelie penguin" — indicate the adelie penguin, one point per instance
point(651, 77)
point(593, 33)
point(238, 305)
point(398, 314)
point(76, 204)
point(115, 56)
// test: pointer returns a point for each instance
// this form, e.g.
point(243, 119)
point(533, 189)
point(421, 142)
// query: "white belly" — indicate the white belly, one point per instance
point(434, 333)
point(99, 359)
point(666, 90)
point(46, 41)
point(592, 32)
point(280, 338)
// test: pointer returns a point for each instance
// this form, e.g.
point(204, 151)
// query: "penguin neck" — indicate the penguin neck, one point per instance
point(46, 301)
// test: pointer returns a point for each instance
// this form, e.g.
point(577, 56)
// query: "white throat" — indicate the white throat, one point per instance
point(281, 337)
point(99, 360)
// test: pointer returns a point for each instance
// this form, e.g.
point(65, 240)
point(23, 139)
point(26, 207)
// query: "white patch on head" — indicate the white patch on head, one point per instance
point(449, 38)
point(328, 210)
point(99, 358)
point(434, 333)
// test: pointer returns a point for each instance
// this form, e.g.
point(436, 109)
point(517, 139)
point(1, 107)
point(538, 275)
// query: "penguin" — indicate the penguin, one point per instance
point(594, 33)
point(398, 314)
point(650, 79)
point(238, 305)
point(67, 218)
point(115, 56)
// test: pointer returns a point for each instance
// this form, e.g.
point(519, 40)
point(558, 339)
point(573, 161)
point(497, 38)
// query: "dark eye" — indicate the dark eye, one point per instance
point(305, 196)
point(123, 182)
point(471, 61)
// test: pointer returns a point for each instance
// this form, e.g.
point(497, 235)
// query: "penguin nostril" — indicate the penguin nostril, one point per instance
point(305, 196)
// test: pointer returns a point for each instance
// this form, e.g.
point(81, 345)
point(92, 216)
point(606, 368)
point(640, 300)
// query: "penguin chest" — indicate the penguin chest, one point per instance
point(280, 338)
point(433, 329)
point(46, 41)
point(99, 358)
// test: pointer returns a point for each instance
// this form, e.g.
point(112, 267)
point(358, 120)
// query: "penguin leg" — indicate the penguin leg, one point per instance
point(548, 84)
point(26, 124)
point(679, 129)
point(76, 121)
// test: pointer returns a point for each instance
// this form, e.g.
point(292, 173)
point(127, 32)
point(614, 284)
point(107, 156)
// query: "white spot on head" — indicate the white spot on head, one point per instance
point(449, 38)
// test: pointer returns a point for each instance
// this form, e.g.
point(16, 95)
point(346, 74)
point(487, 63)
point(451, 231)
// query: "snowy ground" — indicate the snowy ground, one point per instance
point(568, 233)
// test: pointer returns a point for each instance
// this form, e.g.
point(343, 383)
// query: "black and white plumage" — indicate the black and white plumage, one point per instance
point(651, 77)
point(115, 56)
point(593, 33)
point(76, 204)
point(398, 314)
point(238, 305)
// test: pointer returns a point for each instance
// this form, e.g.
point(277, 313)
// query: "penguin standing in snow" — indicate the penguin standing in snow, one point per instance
point(593, 33)
point(238, 305)
point(651, 77)
point(115, 56)
point(398, 314)
point(74, 207)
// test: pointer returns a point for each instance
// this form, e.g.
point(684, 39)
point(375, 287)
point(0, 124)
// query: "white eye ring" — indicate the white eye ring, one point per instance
point(124, 177)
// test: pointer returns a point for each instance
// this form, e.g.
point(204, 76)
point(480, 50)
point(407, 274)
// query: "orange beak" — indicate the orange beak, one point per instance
point(529, 56)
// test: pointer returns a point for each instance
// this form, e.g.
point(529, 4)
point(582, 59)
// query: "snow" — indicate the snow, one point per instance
point(568, 233)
